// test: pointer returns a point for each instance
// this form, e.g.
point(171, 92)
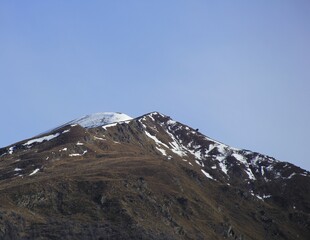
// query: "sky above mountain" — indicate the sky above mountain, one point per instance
point(237, 70)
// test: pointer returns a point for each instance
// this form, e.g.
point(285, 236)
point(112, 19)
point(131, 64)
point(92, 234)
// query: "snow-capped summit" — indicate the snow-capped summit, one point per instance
point(100, 119)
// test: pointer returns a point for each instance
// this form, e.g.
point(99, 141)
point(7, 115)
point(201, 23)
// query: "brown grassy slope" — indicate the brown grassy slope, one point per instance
point(123, 188)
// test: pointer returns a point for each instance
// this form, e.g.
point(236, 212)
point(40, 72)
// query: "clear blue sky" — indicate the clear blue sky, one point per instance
point(237, 70)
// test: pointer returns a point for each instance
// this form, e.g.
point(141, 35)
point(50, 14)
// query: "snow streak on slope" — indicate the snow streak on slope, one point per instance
point(207, 153)
point(41, 139)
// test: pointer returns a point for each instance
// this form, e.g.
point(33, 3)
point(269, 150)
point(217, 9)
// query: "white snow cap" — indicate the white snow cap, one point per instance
point(100, 119)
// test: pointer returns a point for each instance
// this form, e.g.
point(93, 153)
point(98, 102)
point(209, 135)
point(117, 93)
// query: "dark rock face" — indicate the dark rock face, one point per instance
point(148, 178)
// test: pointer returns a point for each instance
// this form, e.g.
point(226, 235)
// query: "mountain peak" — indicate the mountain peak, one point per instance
point(107, 173)
point(100, 119)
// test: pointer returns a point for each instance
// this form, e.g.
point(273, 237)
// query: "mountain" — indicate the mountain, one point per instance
point(110, 176)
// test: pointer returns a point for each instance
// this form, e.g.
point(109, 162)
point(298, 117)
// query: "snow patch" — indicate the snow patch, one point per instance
point(11, 150)
point(176, 147)
point(171, 122)
point(74, 155)
point(250, 173)
point(158, 142)
point(200, 163)
point(223, 167)
point(98, 138)
point(196, 153)
point(109, 125)
point(41, 139)
point(293, 174)
point(151, 117)
point(262, 170)
point(207, 174)
point(240, 158)
point(221, 148)
point(77, 154)
point(34, 172)
point(266, 196)
point(100, 119)
point(162, 151)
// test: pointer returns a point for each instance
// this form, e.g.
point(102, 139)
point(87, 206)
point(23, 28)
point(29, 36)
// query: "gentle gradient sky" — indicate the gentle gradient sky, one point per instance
point(237, 70)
